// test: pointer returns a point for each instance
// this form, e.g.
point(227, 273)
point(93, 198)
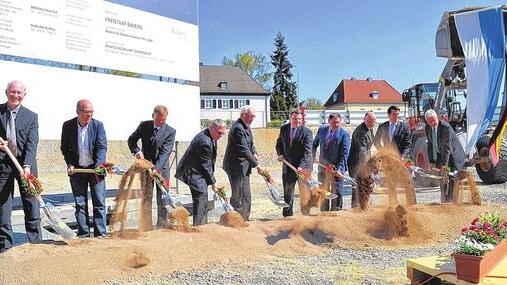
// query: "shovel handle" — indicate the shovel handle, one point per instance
point(84, 170)
point(290, 165)
point(11, 156)
point(21, 171)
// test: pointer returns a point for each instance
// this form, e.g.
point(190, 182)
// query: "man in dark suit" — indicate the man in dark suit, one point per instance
point(20, 128)
point(197, 166)
point(394, 134)
point(334, 143)
point(84, 145)
point(157, 140)
point(239, 159)
point(294, 144)
point(360, 150)
point(444, 149)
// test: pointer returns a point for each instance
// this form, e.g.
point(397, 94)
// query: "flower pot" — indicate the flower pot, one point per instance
point(473, 268)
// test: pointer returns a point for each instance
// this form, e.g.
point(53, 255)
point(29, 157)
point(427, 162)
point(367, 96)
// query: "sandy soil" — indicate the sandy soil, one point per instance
point(92, 261)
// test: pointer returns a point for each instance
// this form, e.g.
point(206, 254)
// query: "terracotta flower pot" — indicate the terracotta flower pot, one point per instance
point(473, 268)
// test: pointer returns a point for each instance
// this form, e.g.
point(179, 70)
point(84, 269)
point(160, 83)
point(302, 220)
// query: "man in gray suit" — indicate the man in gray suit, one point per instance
point(239, 159)
point(444, 149)
point(157, 140)
point(197, 167)
point(19, 126)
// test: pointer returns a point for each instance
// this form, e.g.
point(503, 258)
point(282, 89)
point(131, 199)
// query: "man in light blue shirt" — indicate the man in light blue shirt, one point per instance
point(84, 145)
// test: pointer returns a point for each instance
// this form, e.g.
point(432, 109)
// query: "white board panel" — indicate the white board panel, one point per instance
point(119, 102)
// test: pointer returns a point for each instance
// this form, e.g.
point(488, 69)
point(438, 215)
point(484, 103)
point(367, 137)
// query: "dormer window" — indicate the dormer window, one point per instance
point(375, 95)
point(223, 85)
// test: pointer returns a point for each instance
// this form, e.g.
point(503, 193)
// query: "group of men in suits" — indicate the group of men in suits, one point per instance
point(84, 145)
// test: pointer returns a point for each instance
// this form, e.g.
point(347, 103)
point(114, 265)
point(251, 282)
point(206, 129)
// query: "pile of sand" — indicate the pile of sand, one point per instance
point(165, 251)
point(232, 219)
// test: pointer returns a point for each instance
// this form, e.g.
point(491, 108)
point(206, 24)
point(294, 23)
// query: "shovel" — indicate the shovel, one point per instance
point(349, 179)
point(275, 197)
point(220, 197)
point(54, 220)
point(311, 182)
point(166, 195)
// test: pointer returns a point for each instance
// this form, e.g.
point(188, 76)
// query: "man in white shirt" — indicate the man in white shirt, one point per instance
point(84, 145)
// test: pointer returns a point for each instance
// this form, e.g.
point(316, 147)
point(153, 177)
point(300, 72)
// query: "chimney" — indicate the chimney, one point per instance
point(368, 79)
point(352, 78)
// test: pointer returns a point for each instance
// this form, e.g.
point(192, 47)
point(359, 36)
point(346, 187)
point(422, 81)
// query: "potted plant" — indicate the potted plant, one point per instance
point(481, 246)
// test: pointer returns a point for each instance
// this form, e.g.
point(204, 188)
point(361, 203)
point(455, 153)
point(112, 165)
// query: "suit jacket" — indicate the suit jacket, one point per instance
point(402, 138)
point(27, 138)
point(239, 156)
point(155, 149)
point(449, 151)
point(360, 150)
point(198, 162)
point(337, 151)
point(299, 152)
point(97, 142)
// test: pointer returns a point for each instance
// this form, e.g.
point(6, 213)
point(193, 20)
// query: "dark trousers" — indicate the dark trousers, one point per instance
point(336, 187)
point(241, 198)
point(161, 209)
point(79, 183)
point(199, 205)
point(447, 190)
point(289, 179)
point(30, 208)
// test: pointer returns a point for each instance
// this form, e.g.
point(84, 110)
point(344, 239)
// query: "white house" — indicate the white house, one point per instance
point(225, 89)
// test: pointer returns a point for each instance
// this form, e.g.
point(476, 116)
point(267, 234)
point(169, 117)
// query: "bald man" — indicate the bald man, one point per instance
point(84, 145)
point(360, 150)
point(19, 127)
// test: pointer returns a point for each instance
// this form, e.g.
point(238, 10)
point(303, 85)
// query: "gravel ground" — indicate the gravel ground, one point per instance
point(340, 266)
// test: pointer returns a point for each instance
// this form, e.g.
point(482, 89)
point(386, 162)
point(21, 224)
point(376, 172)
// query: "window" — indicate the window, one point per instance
point(208, 104)
point(223, 85)
point(375, 95)
point(241, 103)
point(225, 104)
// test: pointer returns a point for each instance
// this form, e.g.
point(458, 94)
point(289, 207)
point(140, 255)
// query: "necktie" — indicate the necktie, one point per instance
point(11, 132)
point(434, 140)
point(153, 135)
point(392, 127)
point(292, 133)
point(330, 135)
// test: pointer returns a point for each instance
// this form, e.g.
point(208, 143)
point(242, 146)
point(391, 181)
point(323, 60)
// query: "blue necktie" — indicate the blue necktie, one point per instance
point(392, 127)
point(330, 135)
point(292, 134)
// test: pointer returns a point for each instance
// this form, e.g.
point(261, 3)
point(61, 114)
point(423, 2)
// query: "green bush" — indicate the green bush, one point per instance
point(275, 123)
point(205, 123)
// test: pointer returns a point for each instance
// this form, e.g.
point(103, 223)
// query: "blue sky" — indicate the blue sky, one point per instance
point(332, 40)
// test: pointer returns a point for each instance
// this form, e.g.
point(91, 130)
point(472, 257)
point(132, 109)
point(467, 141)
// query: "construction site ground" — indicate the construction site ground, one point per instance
point(346, 247)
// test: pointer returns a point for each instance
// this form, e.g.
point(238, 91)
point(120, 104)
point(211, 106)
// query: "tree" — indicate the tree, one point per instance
point(283, 95)
point(255, 64)
point(313, 104)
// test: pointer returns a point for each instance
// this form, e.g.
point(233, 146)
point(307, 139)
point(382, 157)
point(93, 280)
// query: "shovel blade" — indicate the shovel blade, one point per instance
point(56, 223)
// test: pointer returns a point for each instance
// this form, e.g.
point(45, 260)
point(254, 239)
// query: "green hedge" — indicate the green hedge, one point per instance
point(275, 123)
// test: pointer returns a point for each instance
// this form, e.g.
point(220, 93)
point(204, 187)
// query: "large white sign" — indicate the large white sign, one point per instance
point(106, 35)
point(101, 34)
